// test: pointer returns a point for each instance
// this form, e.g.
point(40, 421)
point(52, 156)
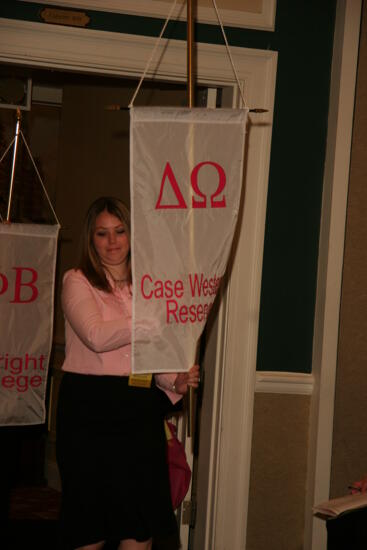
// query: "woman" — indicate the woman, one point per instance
point(110, 435)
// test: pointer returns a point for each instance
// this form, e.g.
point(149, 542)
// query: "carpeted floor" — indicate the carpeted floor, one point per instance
point(34, 503)
point(32, 519)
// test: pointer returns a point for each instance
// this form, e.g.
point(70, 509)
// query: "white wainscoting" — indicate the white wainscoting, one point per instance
point(284, 382)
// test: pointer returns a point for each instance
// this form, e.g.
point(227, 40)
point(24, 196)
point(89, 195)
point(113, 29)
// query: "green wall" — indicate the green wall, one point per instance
point(303, 38)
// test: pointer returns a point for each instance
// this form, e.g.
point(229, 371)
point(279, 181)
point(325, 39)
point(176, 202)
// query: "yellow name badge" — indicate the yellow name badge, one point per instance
point(140, 380)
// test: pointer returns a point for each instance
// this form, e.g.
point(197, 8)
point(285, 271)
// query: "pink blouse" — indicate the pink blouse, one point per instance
point(98, 331)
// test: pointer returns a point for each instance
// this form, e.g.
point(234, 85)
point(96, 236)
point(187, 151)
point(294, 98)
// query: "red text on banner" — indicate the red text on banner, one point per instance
point(22, 372)
point(197, 286)
point(215, 201)
point(24, 290)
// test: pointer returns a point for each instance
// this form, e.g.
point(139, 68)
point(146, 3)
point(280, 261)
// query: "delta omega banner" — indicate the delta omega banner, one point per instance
point(27, 274)
point(186, 173)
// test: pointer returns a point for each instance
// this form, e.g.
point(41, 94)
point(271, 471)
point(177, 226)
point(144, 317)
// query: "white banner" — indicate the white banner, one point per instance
point(27, 276)
point(186, 173)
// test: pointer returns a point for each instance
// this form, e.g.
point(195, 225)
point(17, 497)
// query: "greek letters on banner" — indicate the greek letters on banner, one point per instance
point(186, 171)
point(27, 275)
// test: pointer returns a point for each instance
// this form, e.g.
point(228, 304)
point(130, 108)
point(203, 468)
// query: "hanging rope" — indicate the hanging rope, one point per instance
point(39, 177)
point(1, 159)
point(159, 39)
point(7, 149)
point(229, 54)
point(152, 54)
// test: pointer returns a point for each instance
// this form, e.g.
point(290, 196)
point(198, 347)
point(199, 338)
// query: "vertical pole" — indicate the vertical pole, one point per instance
point(190, 46)
point(190, 101)
point(17, 132)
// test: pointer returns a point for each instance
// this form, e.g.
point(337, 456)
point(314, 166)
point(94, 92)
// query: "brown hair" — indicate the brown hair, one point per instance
point(89, 261)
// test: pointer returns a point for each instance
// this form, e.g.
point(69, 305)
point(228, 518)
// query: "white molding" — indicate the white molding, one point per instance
point(147, 8)
point(331, 252)
point(284, 382)
point(68, 48)
point(241, 331)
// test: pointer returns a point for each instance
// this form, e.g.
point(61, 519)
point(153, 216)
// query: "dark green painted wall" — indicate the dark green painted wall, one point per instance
point(303, 38)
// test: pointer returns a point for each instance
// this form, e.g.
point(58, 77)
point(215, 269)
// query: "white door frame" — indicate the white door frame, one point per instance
point(330, 264)
point(84, 50)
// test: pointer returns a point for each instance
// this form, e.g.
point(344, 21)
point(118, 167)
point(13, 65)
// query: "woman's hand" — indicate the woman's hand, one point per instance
point(359, 486)
point(186, 379)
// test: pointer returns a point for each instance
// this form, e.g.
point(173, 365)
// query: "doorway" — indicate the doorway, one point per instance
point(77, 129)
point(57, 47)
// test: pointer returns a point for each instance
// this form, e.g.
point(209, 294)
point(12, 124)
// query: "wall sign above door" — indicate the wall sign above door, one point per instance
point(57, 16)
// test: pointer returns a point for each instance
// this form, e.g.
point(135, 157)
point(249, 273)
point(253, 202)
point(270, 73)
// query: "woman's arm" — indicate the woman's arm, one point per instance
point(83, 313)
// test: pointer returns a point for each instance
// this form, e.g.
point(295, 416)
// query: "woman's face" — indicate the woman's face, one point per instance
point(110, 240)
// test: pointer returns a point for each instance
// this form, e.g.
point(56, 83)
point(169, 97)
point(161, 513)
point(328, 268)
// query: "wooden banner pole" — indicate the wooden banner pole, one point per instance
point(190, 48)
point(17, 132)
point(190, 101)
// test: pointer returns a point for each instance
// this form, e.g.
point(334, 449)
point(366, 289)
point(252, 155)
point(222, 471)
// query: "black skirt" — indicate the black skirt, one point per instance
point(111, 453)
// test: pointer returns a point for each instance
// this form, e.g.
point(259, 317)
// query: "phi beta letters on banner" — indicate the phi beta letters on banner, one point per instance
point(186, 172)
point(27, 275)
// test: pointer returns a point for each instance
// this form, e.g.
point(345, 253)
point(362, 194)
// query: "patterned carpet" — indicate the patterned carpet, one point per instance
point(32, 519)
point(34, 503)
